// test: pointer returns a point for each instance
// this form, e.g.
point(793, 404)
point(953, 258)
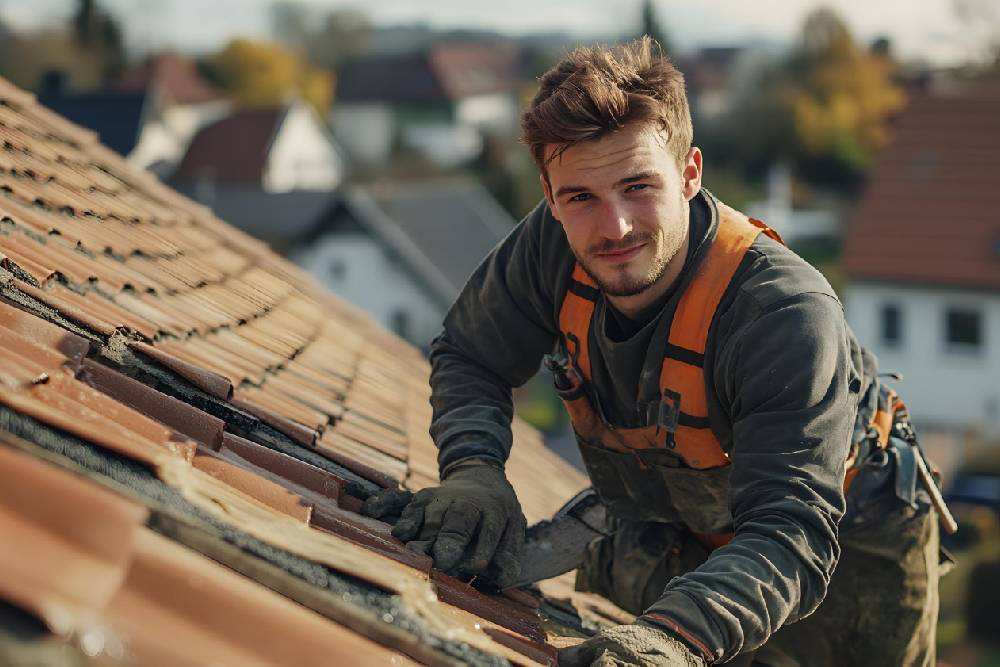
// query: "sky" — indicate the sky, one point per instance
point(928, 30)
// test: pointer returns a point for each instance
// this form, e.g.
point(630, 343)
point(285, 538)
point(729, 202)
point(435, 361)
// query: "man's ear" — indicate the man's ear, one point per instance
point(691, 172)
point(547, 189)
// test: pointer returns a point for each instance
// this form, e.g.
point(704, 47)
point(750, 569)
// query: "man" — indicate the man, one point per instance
point(713, 386)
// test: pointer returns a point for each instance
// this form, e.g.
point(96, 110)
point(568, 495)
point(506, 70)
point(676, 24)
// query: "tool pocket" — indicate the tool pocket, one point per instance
point(625, 487)
point(700, 497)
point(652, 485)
point(886, 490)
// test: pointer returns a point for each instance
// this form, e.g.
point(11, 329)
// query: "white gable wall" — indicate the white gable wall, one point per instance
point(488, 112)
point(946, 386)
point(356, 268)
point(303, 155)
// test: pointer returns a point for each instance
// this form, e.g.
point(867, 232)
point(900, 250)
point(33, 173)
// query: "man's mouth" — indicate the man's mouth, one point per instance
point(620, 255)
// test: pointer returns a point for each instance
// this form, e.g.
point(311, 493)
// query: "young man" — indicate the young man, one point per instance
point(714, 388)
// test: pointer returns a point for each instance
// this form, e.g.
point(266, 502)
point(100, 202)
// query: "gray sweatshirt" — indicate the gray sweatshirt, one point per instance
point(783, 376)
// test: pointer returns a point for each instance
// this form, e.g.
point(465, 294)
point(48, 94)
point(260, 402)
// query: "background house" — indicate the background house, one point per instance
point(275, 149)
point(149, 115)
point(438, 101)
point(403, 251)
point(923, 260)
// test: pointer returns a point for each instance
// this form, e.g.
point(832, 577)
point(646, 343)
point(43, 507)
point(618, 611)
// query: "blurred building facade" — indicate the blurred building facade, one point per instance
point(438, 101)
point(923, 259)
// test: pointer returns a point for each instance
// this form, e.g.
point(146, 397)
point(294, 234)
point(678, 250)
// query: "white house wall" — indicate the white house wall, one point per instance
point(445, 145)
point(303, 155)
point(488, 112)
point(943, 386)
point(366, 131)
point(356, 268)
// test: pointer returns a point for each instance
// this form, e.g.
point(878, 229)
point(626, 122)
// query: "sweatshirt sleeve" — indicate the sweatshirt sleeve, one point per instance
point(787, 376)
point(494, 338)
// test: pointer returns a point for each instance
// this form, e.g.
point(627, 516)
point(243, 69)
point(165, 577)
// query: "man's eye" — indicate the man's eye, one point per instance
point(583, 196)
point(636, 187)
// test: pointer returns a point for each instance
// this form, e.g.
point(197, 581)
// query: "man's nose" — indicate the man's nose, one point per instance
point(614, 222)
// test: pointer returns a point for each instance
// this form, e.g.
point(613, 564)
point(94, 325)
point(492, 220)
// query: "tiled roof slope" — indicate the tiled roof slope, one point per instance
point(173, 76)
point(233, 149)
point(166, 376)
point(930, 213)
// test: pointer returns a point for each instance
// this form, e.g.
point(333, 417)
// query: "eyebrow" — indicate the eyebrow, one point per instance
point(574, 189)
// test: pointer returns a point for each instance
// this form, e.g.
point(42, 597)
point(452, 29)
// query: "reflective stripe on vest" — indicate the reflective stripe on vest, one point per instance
point(682, 377)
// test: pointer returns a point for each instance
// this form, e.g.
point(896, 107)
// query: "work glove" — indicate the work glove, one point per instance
point(627, 646)
point(472, 525)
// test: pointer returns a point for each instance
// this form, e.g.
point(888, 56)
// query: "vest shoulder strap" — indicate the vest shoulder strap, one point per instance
point(682, 377)
point(575, 316)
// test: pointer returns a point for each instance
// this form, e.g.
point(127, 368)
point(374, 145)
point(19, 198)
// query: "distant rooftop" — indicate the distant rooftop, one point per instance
point(929, 215)
point(173, 76)
point(441, 73)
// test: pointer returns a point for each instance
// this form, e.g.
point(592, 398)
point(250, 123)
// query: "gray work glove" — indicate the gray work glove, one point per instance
point(630, 645)
point(472, 525)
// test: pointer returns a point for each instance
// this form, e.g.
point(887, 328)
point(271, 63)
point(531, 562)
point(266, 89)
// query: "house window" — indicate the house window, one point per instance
point(400, 322)
point(891, 325)
point(337, 269)
point(963, 328)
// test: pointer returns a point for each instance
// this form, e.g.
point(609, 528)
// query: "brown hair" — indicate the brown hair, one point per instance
point(598, 89)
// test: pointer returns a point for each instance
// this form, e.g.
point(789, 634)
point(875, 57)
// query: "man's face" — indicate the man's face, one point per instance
point(623, 203)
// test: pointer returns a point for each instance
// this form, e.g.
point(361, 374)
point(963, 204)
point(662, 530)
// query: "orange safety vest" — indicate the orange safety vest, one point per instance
point(682, 377)
point(674, 468)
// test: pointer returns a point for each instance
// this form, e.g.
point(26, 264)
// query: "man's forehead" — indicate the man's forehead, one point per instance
point(641, 138)
point(613, 155)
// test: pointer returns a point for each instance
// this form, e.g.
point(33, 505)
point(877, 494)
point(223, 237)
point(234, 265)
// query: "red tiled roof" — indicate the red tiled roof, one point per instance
point(226, 392)
point(173, 76)
point(930, 213)
point(232, 150)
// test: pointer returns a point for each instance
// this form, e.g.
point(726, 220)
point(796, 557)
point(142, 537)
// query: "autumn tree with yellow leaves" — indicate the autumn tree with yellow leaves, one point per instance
point(256, 73)
point(841, 98)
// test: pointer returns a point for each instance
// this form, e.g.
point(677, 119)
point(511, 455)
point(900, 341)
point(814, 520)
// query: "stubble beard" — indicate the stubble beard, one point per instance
point(617, 280)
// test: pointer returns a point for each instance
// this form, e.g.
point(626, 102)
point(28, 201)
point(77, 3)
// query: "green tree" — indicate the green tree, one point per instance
point(98, 34)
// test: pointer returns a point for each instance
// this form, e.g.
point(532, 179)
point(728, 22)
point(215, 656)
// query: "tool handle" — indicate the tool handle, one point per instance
point(937, 500)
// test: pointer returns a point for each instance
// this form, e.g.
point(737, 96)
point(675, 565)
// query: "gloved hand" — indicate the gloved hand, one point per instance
point(630, 645)
point(471, 525)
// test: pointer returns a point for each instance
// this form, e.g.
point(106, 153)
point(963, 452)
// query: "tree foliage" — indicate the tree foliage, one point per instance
point(89, 50)
point(256, 73)
point(841, 98)
point(651, 25)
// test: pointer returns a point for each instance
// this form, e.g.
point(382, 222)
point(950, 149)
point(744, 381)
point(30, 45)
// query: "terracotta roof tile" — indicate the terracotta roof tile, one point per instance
point(75, 408)
point(69, 308)
point(67, 541)
point(361, 458)
point(177, 415)
point(177, 604)
point(254, 485)
point(493, 608)
point(70, 346)
point(287, 467)
point(273, 401)
point(212, 383)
